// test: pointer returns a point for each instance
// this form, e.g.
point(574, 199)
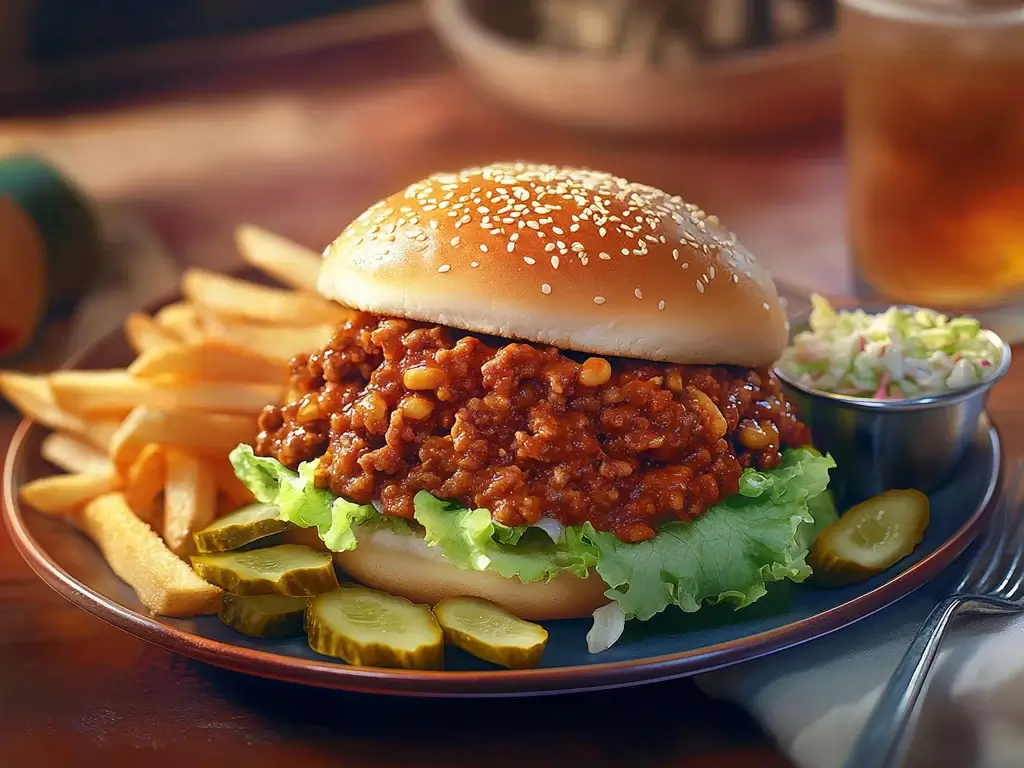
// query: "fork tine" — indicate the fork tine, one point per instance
point(983, 566)
point(1013, 560)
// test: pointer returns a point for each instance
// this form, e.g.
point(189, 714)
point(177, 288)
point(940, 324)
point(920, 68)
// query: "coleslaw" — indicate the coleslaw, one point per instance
point(897, 354)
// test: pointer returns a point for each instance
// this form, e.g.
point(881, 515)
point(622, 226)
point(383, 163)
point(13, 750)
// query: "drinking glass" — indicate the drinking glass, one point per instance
point(935, 142)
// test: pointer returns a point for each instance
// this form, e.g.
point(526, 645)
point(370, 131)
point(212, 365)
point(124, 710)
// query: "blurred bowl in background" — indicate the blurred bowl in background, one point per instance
point(637, 79)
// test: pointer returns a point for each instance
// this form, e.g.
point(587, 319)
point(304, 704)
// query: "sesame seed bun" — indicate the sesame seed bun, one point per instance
point(404, 565)
point(575, 258)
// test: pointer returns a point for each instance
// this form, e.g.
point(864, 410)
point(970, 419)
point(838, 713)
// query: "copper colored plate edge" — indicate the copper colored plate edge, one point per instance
point(337, 675)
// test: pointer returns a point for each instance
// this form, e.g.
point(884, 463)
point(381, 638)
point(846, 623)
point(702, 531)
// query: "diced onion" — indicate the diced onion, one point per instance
point(609, 622)
point(551, 527)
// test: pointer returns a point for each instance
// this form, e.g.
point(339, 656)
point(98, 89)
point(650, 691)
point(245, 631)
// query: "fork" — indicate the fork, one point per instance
point(992, 584)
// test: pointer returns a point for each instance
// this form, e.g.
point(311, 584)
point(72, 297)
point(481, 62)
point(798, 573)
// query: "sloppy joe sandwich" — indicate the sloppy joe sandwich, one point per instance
point(554, 392)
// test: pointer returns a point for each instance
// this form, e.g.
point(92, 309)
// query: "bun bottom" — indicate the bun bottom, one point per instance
point(404, 565)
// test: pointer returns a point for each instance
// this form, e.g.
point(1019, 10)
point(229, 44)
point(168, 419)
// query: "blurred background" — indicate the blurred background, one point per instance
point(166, 125)
point(172, 123)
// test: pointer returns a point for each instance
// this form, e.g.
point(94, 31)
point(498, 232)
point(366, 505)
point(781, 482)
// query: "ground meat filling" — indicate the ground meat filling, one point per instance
point(392, 407)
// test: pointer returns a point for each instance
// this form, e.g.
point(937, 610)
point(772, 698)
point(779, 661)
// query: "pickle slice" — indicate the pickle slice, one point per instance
point(871, 537)
point(491, 633)
point(308, 537)
point(264, 615)
point(288, 569)
point(374, 629)
point(235, 530)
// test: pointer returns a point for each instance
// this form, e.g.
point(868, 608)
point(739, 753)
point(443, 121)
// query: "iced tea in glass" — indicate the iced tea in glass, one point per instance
point(935, 141)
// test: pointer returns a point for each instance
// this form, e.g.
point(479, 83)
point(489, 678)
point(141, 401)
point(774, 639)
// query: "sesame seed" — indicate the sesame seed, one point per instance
point(765, 305)
point(550, 247)
point(483, 209)
point(554, 262)
point(578, 247)
point(625, 251)
point(456, 240)
point(529, 260)
point(483, 247)
point(599, 299)
point(675, 254)
point(443, 204)
point(735, 278)
point(602, 231)
point(637, 293)
point(574, 227)
point(433, 224)
point(533, 225)
point(604, 256)
point(558, 230)
point(661, 305)
point(513, 237)
point(545, 289)
point(444, 268)
point(700, 286)
point(684, 265)
point(711, 271)
point(474, 263)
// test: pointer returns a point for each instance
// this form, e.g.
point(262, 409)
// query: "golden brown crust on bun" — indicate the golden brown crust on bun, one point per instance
point(575, 258)
point(404, 565)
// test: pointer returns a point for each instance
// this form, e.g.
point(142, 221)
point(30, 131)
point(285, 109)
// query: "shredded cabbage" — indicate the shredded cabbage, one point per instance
point(897, 354)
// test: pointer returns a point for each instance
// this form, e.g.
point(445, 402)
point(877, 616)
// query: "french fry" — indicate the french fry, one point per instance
point(162, 581)
point(190, 500)
point(144, 482)
point(74, 454)
point(67, 494)
point(225, 506)
point(230, 486)
point(210, 360)
point(208, 434)
point(33, 397)
point(239, 299)
point(106, 393)
point(273, 342)
point(182, 320)
point(144, 333)
point(101, 432)
point(285, 261)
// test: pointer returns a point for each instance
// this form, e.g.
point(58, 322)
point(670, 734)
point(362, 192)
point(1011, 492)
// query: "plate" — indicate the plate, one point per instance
point(670, 646)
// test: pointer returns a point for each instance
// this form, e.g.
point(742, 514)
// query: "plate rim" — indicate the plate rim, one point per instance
point(487, 683)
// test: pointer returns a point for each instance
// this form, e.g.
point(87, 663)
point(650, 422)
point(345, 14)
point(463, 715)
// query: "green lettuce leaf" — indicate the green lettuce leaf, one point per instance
point(470, 539)
point(729, 553)
point(300, 502)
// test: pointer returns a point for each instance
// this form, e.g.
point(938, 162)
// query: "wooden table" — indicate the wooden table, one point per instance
point(302, 146)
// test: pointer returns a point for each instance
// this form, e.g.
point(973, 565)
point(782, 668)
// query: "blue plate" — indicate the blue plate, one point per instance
point(670, 646)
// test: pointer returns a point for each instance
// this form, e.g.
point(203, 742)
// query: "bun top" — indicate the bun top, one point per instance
point(576, 258)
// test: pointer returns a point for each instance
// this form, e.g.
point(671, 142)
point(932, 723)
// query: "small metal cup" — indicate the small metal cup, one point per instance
point(879, 445)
